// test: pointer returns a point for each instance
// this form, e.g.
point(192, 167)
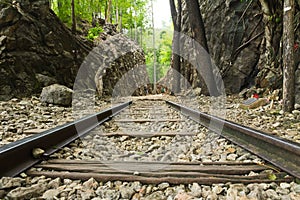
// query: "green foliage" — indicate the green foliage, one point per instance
point(272, 177)
point(163, 52)
point(93, 33)
point(132, 12)
point(135, 18)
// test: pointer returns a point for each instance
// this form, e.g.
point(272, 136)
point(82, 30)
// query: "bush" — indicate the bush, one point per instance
point(94, 33)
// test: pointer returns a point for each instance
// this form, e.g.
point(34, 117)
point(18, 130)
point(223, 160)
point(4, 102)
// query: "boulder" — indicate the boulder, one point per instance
point(115, 67)
point(57, 94)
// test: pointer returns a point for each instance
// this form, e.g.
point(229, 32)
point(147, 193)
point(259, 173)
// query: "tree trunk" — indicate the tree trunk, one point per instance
point(73, 17)
point(154, 50)
point(121, 26)
point(288, 56)
point(117, 14)
point(198, 34)
point(108, 11)
point(176, 18)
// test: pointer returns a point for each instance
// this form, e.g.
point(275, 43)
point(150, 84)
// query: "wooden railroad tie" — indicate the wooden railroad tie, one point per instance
point(158, 172)
point(147, 120)
point(148, 134)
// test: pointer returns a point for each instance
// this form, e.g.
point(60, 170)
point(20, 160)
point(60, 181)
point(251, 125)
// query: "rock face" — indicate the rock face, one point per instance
point(228, 35)
point(57, 94)
point(36, 49)
point(236, 37)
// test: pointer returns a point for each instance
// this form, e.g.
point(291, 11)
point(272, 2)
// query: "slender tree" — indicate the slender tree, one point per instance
point(73, 17)
point(176, 18)
point(108, 11)
point(198, 34)
point(288, 56)
point(154, 50)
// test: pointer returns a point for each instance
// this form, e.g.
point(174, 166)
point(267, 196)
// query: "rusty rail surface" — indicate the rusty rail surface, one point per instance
point(17, 156)
point(282, 153)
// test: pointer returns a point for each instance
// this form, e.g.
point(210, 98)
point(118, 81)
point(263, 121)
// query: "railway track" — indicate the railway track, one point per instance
point(154, 141)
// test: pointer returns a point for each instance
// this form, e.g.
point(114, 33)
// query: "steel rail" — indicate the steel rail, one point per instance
point(282, 153)
point(17, 156)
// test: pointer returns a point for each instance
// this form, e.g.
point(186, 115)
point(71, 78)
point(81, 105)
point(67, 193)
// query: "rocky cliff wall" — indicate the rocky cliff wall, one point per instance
point(234, 31)
point(238, 35)
point(36, 49)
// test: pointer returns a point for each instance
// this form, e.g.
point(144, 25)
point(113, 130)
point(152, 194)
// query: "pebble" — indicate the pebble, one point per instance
point(232, 157)
point(272, 194)
point(90, 184)
point(158, 195)
point(296, 188)
point(126, 192)
point(163, 186)
point(195, 190)
point(8, 182)
point(285, 185)
point(50, 194)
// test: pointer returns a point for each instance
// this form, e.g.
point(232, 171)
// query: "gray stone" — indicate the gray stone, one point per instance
point(45, 80)
point(50, 194)
point(107, 193)
point(9, 182)
point(272, 194)
point(296, 188)
point(163, 186)
point(285, 185)
point(90, 184)
point(158, 195)
point(54, 183)
point(57, 94)
point(217, 189)
point(195, 190)
point(206, 190)
point(197, 91)
point(27, 192)
point(149, 189)
point(67, 181)
point(126, 192)
point(282, 191)
point(88, 194)
point(232, 157)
